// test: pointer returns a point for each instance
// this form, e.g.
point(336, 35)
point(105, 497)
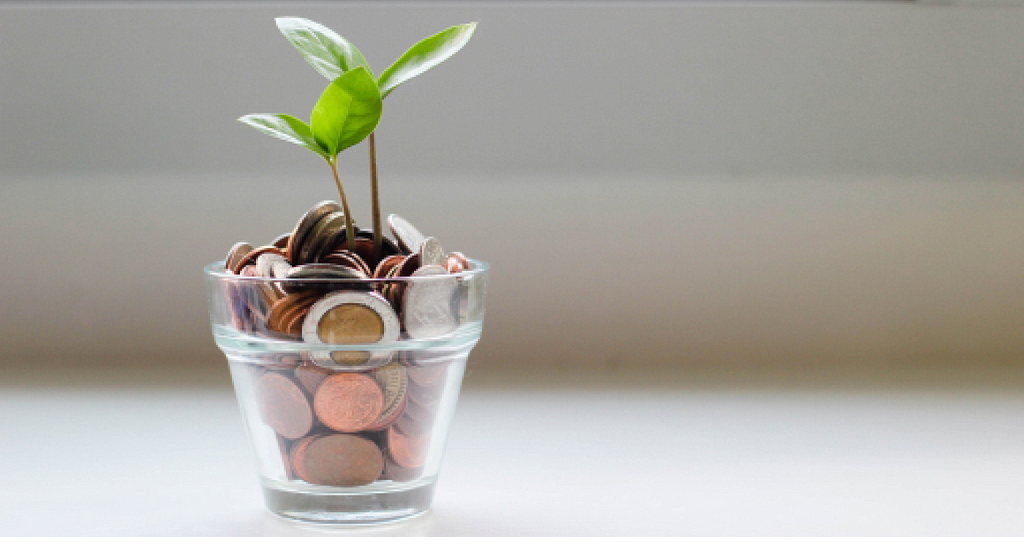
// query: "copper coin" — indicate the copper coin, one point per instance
point(283, 405)
point(294, 325)
point(311, 376)
point(250, 258)
point(281, 242)
point(299, 309)
point(283, 306)
point(297, 454)
point(237, 252)
point(406, 451)
point(339, 460)
point(395, 384)
point(405, 269)
point(348, 402)
point(461, 259)
point(412, 428)
point(409, 265)
point(386, 264)
point(305, 223)
point(452, 265)
point(399, 474)
point(347, 259)
point(364, 249)
point(388, 246)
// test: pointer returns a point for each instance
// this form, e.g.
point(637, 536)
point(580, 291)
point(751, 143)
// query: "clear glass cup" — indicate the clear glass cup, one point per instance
point(351, 431)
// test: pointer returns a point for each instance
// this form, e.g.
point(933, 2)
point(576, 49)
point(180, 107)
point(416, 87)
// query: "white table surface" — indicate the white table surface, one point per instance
point(680, 459)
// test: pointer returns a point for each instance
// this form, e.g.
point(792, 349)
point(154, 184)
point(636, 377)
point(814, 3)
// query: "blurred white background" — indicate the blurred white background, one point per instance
point(679, 184)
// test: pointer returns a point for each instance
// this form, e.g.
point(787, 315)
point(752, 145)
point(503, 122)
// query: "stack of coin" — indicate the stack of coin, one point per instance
point(285, 303)
point(351, 428)
point(347, 417)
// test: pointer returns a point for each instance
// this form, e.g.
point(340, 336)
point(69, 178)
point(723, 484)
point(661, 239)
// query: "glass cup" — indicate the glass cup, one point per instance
point(347, 386)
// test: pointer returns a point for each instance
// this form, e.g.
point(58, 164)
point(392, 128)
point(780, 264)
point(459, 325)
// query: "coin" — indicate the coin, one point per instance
point(460, 258)
point(250, 258)
point(399, 474)
point(421, 413)
point(281, 241)
point(410, 426)
point(279, 269)
point(339, 460)
point(431, 252)
point(311, 271)
point(409, 265)
point(428, 396)
point(237, 252)
point(407, 451)
point(453, 265)
point(286, 317)
point(283, 307)
point(265, 263)
point(348, 402)
point(311, 376)
point(283, 405)
point(395, 383)
point(324, 231)
point(409, 238)
point(427, 375)
point(351, 318)
point(386, 265)
point(305, 223)
point(347, 259)
point(427, 304)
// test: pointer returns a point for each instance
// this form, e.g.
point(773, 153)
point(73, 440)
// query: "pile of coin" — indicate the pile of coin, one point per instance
point(351, 428)
point(348, 417)
point(348, 313)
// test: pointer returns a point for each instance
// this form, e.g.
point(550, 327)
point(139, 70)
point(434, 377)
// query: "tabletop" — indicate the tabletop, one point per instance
point(162, 456)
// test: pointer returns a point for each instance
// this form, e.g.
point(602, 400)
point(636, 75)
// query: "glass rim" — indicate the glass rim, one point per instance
point(477, 267)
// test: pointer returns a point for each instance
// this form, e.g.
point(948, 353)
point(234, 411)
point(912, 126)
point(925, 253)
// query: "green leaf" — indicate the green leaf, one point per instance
point(328, 53)
point(424, 55)
point(286, 127)
point(347, 111)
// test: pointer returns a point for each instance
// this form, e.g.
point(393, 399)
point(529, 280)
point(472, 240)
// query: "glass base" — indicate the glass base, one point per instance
point(369, 505)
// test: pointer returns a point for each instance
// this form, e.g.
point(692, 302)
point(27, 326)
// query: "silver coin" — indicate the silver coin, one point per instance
point(324, 270)
point(409, 238)
point(236, 253)
point(431, 252)
point(279, 269)
point(317, 271)
point(265, 264)
point(395, 383)
point(306, 223)
point(427, 305)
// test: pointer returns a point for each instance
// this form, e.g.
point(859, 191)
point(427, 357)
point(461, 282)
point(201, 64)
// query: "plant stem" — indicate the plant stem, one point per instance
point(377, 230)
point(350, 233)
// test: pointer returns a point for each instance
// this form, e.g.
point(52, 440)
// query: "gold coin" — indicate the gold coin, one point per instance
point(350, 324)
